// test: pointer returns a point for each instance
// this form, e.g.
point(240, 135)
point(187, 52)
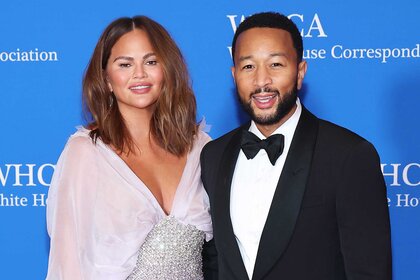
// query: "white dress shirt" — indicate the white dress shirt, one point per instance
point(253, 185)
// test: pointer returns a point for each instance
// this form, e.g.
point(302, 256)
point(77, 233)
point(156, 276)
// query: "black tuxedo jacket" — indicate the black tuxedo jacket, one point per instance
point(329, 216)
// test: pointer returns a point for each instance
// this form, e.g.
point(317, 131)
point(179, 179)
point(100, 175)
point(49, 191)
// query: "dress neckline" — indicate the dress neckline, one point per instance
point(138, 181)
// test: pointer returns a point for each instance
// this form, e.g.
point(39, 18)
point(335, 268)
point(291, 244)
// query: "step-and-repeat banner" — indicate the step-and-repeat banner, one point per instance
point(363, 73)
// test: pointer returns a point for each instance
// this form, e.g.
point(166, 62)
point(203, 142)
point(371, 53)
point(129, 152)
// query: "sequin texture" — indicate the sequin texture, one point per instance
point(171, 251)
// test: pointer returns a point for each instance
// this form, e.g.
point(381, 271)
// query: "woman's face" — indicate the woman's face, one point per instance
point(134, 73)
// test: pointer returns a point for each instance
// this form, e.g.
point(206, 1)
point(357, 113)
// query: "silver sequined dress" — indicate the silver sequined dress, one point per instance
point(171, 251)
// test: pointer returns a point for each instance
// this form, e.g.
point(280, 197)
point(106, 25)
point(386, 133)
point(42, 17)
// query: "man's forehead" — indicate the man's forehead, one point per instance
point(270, 41)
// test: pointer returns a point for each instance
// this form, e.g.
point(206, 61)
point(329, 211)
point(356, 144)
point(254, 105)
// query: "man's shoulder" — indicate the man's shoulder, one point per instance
point(221, 142)
point(341, 142)
point(332, 132)
point(336, 133)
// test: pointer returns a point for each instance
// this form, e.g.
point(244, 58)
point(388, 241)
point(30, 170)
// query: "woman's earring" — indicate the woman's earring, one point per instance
point(111, 99)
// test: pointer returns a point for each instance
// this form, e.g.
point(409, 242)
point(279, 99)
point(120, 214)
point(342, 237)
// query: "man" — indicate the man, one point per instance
point(319, 210)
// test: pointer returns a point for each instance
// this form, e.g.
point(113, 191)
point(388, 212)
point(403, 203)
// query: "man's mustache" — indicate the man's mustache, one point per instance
point(265, 89)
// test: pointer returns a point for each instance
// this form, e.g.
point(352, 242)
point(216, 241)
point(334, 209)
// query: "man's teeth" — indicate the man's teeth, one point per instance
point(140, 87)
point(264, 99)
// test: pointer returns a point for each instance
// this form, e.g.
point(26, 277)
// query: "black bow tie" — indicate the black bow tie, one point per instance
point(251, 145)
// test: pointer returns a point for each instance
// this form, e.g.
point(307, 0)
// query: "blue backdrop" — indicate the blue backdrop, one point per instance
point(363, 74)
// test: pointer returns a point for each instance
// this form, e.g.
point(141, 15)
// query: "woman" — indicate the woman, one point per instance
point(126, 199)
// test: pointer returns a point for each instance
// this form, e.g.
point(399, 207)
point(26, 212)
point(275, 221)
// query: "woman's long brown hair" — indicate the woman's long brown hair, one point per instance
point(173, 122)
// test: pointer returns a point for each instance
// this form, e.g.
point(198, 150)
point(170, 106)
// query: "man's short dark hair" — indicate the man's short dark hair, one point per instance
point(271, 20)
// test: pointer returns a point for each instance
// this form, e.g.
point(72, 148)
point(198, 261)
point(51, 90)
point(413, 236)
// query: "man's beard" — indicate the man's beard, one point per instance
point(286, 103)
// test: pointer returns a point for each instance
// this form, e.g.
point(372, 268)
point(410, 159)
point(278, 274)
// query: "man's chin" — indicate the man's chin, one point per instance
point(265, 119)
point(264, 112)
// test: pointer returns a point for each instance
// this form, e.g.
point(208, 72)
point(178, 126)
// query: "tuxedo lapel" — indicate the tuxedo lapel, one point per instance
point(288, 196)
point(227, 244)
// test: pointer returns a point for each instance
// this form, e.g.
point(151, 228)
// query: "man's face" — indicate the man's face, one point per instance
point(267, 74)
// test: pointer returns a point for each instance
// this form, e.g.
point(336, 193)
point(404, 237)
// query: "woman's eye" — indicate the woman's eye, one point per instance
point(151, 62)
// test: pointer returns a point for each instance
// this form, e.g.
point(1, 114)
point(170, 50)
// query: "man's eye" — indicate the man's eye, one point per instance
point(247, 67)
point(125, 65)
point(276, 64)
